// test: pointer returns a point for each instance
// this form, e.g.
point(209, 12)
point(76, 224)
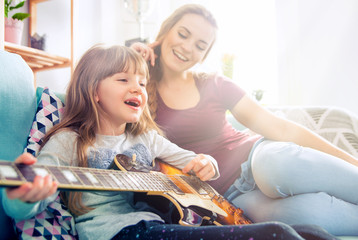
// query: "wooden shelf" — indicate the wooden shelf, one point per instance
point(38, 60)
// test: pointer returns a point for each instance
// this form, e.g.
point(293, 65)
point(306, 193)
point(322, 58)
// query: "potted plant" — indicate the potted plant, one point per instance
point(14, 25)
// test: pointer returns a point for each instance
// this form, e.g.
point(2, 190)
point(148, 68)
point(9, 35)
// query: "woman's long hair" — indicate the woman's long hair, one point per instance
point(155, 72)
point(82, 111)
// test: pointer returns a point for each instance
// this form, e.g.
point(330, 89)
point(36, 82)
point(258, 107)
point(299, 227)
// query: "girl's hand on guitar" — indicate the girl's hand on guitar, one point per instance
point(147, 51)
point(202, 167)
point(39, 189)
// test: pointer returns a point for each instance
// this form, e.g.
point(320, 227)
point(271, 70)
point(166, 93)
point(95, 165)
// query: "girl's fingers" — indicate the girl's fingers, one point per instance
point(18, 192)
point(50, 187)
point(35, 192)
point(26, 158)
point(201, 166)
point(206, 173)
point(41, 188)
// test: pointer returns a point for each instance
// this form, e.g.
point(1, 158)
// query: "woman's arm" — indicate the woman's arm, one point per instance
point(265, 123)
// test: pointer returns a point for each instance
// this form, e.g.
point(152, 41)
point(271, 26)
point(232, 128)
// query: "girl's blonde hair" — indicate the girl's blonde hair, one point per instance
point(155, 72)
point(82, 110)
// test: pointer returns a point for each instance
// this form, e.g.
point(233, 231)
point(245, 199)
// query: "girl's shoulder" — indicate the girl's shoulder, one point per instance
point(63, 137)
point(64, 133)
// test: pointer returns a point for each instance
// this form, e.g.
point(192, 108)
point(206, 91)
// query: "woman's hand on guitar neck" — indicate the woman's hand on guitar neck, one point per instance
point(39, 189)
point(201, 166)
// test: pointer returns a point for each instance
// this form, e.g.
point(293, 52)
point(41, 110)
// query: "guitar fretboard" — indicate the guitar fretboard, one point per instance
point(78, 178)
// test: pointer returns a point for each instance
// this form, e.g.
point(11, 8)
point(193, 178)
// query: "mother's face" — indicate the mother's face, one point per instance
point(187, 43)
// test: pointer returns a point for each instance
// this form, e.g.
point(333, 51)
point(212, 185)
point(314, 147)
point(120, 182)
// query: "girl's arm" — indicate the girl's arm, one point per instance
point(204, 166)
point(26, 201)
point(265, 123)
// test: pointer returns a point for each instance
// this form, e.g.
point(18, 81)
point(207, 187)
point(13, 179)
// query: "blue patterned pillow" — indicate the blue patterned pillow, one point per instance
point(49, 112)
point(55, 222)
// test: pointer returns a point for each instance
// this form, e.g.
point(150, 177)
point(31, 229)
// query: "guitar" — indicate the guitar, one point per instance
point(196, 202)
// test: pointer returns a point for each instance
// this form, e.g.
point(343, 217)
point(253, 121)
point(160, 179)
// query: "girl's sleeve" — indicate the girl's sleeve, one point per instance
point(57, 151)
point(174, 155)
point(20, 210)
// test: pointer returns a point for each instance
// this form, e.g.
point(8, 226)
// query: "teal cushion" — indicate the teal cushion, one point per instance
point(17, 110)
point(17, 104)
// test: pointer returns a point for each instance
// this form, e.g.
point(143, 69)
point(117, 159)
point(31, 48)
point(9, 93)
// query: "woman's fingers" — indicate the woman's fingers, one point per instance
point(146, 51)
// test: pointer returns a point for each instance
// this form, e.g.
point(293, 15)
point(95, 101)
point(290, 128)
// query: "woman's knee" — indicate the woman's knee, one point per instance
point(273, 164)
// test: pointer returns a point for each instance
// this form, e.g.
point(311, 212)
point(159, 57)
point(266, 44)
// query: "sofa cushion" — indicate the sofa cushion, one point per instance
point(337, 125)
point(55, 222)
point(18, 104)
point(17, 110)
point(49, 112)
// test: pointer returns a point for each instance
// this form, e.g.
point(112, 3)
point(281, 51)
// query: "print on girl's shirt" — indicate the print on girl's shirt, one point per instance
point(102, 158)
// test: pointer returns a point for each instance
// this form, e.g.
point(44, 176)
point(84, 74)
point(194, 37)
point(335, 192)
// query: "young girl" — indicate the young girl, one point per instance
point(106, 114)
point(278, 174)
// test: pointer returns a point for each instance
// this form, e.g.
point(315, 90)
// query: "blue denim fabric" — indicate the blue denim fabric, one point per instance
point(298, 185)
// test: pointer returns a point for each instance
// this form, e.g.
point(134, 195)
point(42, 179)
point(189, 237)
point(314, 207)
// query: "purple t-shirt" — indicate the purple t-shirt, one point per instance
point(205, 129)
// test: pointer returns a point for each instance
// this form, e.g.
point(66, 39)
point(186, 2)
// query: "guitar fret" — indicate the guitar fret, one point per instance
point(127, 181)
point(71, 176)
point(58, 175)
point(121, 182)
point(134, 181)
point(110, 181)
point(156, 184)
point(102, 179)
point(27, 173)
point(82, 177)
point(141, 179)
point(9, 172)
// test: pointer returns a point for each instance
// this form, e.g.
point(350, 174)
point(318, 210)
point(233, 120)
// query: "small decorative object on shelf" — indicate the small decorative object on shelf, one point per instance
point(258, 94)
point(38, 42)
point(14, 25)
point(228, 65)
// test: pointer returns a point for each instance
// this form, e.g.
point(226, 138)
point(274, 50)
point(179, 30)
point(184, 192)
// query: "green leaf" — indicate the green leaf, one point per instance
point(20, 16)
point(6, 13)
point(19, 5)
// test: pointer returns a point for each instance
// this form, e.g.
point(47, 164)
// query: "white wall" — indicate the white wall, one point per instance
point(318, 52)
point(54, 21)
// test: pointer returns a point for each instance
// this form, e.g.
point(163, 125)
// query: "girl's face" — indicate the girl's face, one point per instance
point(187, 43)
point(122, 97)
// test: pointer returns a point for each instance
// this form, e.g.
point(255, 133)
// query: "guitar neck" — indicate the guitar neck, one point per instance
point(78, 178)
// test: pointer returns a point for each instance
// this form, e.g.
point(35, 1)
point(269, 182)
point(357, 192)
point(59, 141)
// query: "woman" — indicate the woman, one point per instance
point(285, 173)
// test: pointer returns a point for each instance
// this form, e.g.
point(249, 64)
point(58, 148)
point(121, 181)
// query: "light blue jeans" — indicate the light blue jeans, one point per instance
point(297, 185)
